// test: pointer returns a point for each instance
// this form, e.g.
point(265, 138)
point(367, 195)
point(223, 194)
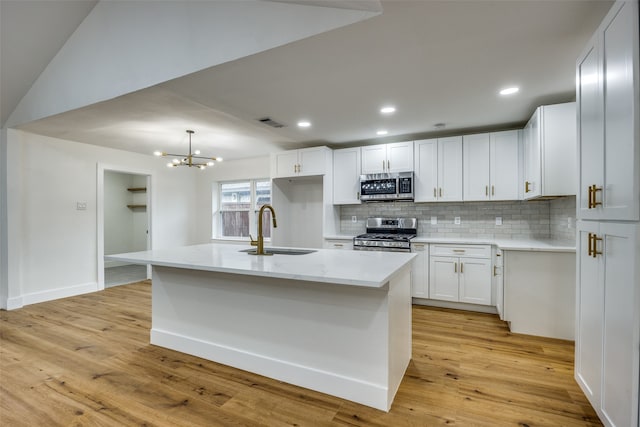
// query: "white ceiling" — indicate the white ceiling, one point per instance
point(436, 61)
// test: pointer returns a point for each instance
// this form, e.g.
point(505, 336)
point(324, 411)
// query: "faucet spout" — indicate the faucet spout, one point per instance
point(260, 242)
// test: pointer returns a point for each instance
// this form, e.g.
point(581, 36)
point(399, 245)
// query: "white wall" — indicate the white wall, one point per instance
point(53, 249)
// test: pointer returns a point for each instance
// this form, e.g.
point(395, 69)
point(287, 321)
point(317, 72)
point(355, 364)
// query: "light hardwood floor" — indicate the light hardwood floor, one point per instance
point(87, 361)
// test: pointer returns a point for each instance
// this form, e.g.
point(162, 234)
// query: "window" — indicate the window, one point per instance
point(240, 203)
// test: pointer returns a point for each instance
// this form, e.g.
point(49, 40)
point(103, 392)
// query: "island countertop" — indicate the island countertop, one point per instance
point(356, 268)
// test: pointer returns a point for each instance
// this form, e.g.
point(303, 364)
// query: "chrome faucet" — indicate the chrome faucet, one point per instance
point(260, 242)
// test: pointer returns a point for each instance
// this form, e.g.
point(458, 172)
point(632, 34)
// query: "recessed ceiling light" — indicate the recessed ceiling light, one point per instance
point(509, 90)
point(388, 110)
point(382, 132)
point(304, 124)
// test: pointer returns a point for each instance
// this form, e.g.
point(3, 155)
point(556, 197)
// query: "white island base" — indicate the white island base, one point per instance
point(353, 342)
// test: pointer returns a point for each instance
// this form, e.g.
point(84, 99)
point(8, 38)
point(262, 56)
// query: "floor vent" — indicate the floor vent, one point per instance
point(269, 122)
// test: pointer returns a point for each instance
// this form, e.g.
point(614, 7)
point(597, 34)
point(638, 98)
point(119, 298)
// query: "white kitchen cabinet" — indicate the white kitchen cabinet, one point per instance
point(341, 244)
point(550, 152)
point(607, 99)
point(346, 176)
point(438, 170)
point(302, 162)
point(420, 271)
point(460, 273)
point(607, 361)
point(387, 158)
point(490, 166)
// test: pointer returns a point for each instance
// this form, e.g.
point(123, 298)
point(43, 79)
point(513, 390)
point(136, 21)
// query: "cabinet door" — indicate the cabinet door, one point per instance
point(621, 190)
point(426, 170)
point(346, 176)
point(532, 161)
point(475, 280)
point(400, 157)
point(620, 364)
point(589, 316)
point(443, 278)
point(590, 132)
point(420, 271)
point(286, 164)
point(374, 159)
point(450, 169)
point(312, 161)
point(475, 160)
point(503, 161)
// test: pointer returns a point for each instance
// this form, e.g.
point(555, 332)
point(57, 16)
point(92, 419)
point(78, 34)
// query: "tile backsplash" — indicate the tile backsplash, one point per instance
point(520, 219)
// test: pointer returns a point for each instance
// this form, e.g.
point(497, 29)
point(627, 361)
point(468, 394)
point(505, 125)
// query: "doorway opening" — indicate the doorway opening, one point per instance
point(123, 224)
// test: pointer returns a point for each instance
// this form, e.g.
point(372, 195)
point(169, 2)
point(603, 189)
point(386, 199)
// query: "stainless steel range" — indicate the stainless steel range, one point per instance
point(387, 234)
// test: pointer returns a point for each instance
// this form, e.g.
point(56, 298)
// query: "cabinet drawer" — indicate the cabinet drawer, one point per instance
point(475, 251)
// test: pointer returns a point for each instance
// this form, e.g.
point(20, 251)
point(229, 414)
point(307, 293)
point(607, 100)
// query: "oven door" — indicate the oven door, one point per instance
point(380, 249)
point(378, 188)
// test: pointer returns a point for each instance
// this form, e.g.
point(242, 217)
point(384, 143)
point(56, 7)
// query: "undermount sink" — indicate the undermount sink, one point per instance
point(282, 251)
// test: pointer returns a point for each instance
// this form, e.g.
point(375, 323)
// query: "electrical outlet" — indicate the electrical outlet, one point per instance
point(434, 220)
point(456, 220)
point(354, 218)
point(81, 206)
point(498, 220)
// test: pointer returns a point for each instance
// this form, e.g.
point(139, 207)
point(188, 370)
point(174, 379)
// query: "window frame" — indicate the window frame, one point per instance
point(253, 209)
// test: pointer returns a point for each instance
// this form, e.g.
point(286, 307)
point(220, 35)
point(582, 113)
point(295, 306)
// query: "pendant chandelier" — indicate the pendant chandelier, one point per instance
point(192, 160)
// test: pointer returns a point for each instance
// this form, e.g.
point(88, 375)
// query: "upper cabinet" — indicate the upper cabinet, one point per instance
point(346, 176)
point(302, 162)
point(490, 165)
point(550, 152)
point(607, 100)
point(386, 158)
point(438, 170)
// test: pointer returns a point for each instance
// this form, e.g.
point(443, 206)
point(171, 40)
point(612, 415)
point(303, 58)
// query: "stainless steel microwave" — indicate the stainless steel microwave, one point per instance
point(386, 186)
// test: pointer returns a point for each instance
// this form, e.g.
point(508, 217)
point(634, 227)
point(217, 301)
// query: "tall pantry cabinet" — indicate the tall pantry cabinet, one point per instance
point(607, 362)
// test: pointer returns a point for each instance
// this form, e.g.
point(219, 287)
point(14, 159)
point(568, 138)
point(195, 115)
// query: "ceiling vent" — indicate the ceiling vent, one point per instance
point(270, 122)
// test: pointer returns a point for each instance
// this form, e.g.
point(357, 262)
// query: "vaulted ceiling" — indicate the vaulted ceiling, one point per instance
point(435, 61)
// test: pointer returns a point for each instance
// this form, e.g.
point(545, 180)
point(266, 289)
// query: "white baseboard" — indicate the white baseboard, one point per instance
point(52, 294)
point(456, 305)
point(12, 303)
point(363, 392)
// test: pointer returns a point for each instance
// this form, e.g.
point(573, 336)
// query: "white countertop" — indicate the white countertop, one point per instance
point(356, 268)
point(544, 245)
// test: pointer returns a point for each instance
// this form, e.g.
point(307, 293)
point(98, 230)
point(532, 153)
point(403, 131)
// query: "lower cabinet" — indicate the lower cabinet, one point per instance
point(607, 361)
point(499, 280)
point(338, 244)
point(420, 271)
point(460, 273)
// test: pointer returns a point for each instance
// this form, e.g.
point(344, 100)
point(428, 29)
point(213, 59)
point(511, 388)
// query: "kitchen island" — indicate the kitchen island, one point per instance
point(338, 322)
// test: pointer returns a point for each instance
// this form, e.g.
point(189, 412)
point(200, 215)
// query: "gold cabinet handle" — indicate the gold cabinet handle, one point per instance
point(383, 165)
point(338, 245)
point(594, 250)
point(460, 251)
point(434, 192)
point(493, 190)
point(461, 267)
point(455, 267)
point(593, 203)
point(527, 184)
point(440, 192)
point(388, 165)
point(358, 195)
point(589, 244)
point(486, 190)
point(495, 270)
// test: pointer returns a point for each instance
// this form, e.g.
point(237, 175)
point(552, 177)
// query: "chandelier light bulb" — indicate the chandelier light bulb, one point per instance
point(170, 165)
point(196, 152)
point(176, 161)
point(158, 153)
point(210, 163)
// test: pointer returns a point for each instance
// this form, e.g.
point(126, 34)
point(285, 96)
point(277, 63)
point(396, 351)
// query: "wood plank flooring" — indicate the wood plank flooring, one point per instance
point(87, 361)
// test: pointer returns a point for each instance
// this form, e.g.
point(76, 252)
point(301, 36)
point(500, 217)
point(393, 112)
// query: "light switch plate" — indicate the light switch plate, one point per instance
point(434, 220)
point(498, 220)
point(456, 220)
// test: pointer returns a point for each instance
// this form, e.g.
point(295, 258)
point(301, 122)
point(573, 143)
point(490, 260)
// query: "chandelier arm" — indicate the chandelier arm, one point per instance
point(204, 158)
